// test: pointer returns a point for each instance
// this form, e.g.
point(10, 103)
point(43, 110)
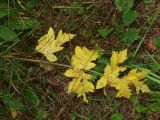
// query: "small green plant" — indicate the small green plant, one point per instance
point(117, 116)
point(104, 32)
point(129, 17)
point(9, 29)
point(128, 36)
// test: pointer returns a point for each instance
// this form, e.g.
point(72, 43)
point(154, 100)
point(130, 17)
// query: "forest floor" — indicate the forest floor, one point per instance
point(33, 88)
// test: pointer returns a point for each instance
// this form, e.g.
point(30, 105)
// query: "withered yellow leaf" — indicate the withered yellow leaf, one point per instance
point(83, 58)
point(81, 87)
point(104, 80)
point(48, 44)
point(63, 37)
point(80, 83)
point(81, 61)
point(118, 58)
point(111, 71)
point(133, 77)
point(111, 76)
point(122, 56)
point(123, 88)
point(77, 73)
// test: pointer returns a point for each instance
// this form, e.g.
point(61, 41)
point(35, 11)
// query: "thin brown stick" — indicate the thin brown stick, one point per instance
point(44, 62)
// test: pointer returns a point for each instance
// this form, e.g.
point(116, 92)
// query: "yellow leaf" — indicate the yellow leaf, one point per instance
point(81, 87)
point(122, 87)
point(111, 76)
point(73, 73)
point(77, 74)
point(118, 58)
point(64, 37)
point(114, 59)
point(144, 88)
point(122, 56)
point(112, 71)
point(133, 77)
point(83, 58)
point(48, 44)
point(141, 86)
point(85, 98)
point(101, 83)
point(50, 57)
point(81, 61)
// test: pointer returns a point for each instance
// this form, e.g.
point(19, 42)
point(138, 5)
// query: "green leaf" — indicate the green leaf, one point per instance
point(131, 35)
point(129, 17)
point(116, 116)
point(124, 5)
point(156, 42)
point(21, 25)
point(140, 108)
point(12, 102)
point(3, 5)
point(119, 30)
point(154, 107)
point(3, 14)
point(3, 10)
point(32, 97)
point(8, 35)
point(104, 32)
point(7, 10)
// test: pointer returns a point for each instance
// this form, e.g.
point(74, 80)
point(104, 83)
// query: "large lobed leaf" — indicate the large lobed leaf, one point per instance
point(49, 44)
point(81, 61)
point(112, 77)
point(83, 58)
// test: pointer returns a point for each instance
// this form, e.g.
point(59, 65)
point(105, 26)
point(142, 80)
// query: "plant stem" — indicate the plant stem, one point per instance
point(37, 61)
